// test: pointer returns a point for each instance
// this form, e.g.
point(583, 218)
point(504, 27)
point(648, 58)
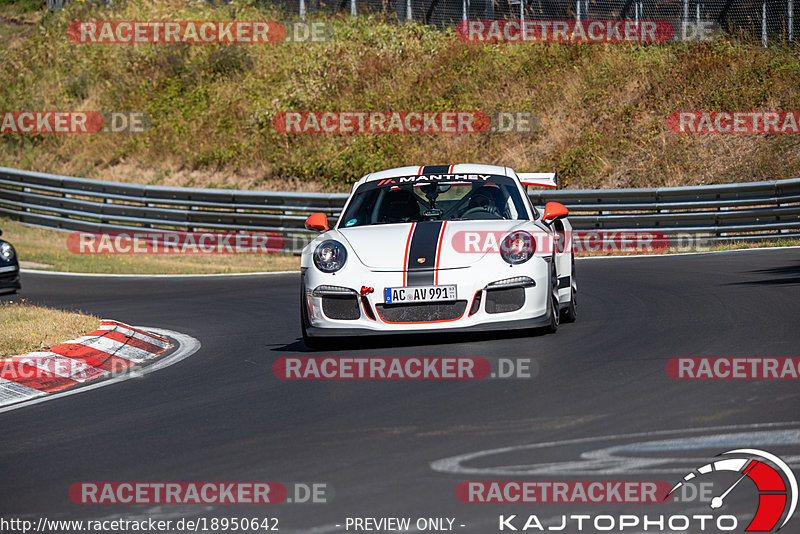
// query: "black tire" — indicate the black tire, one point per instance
point(555, 313)
point(570, 314)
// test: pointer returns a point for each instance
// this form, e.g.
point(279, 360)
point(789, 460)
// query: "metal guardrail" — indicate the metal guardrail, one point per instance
point(754, 210)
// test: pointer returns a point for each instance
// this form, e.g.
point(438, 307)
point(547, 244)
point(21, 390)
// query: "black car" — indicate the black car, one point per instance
point(9, 268)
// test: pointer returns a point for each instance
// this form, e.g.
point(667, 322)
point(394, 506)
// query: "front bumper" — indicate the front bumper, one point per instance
point(519, 324)
point(367, 314)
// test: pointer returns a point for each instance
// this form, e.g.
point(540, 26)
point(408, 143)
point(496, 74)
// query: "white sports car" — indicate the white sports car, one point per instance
point(439, 248)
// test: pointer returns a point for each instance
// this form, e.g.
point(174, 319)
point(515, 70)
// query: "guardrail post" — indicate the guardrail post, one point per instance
point(685, 19)
point(190, 227)
point(716, 221)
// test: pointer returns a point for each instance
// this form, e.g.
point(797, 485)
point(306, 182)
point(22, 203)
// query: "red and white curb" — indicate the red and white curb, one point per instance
point(114, 352)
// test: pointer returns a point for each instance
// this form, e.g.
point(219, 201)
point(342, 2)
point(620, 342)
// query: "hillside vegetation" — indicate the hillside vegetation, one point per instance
point(601, 108)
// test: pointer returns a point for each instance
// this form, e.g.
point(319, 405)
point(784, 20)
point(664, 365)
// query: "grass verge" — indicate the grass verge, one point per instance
point(711, 247)
point(48, 250)
point(27, 328)
point(45, 249)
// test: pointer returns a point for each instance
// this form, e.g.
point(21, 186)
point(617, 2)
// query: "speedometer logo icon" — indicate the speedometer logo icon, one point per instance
point(776, 484)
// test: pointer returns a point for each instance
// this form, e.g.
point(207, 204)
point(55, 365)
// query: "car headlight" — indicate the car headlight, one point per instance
point(6, 251)
point(330, 256)
point(517, 247)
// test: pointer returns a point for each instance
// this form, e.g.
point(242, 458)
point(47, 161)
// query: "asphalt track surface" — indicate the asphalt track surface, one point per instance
point(221, 415)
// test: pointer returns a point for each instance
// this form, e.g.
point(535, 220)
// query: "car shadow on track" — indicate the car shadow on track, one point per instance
point(777, 276)
point(407, 340)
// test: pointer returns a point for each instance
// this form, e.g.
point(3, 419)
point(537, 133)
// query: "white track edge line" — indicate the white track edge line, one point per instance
point(187, 345)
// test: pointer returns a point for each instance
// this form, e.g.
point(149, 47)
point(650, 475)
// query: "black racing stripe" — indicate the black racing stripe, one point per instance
point(424, 242)
point(435, 169)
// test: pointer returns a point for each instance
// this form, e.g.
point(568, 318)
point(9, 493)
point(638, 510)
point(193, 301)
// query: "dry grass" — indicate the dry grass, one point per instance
point(49, 247)
point(602, 108)
point(27, 328)
point(739, 245)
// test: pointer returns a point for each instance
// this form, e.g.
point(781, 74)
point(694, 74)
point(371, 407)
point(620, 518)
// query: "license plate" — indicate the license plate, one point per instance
point(397, 295)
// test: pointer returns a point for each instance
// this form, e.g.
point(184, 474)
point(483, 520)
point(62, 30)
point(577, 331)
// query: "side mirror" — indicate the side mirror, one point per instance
point(318, 222)
point(554, 211)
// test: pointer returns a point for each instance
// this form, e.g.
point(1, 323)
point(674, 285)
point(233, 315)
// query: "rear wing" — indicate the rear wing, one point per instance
point(539, 179)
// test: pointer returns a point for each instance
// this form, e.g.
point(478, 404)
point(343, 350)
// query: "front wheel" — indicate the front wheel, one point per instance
point(570, 314)
point(555, 314)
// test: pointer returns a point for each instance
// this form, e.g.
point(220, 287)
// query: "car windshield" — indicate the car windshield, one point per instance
point(435, 198)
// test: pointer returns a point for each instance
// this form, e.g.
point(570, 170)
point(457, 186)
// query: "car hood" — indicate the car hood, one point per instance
point(458, 244)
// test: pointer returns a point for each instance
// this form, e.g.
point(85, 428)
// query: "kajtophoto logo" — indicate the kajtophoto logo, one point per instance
point(775, 481)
